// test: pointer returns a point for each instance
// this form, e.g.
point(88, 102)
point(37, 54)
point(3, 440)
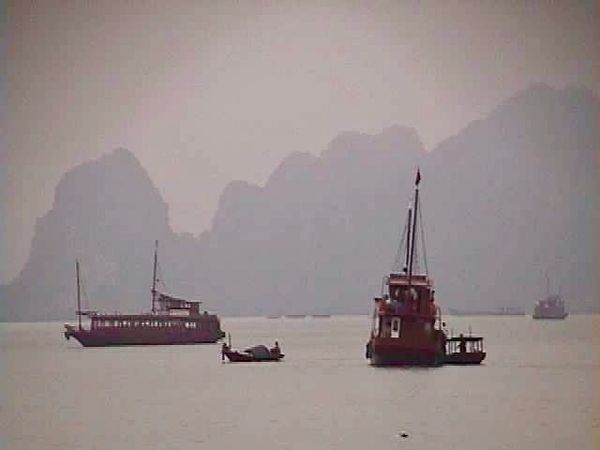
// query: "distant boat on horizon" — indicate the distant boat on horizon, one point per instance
point(551, 306)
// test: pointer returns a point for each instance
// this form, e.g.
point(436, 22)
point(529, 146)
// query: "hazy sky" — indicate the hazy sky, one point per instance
point(207, 92)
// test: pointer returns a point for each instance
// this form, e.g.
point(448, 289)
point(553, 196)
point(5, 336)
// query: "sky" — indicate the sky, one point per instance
point(207, 92)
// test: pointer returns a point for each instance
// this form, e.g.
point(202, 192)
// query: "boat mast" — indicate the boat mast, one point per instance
point(154, 275)
point(78, 294)
point(414, 227)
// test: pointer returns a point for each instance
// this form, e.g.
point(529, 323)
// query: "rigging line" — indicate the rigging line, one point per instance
point(423, 241)
point(160, 277)
point(416, 257)
point(400, 253)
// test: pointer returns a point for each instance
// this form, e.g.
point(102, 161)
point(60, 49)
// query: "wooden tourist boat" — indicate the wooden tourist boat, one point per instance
point(171, 321)
point(406, 323)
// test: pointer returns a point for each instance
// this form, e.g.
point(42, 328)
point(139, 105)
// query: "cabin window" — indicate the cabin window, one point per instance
point(396, 327)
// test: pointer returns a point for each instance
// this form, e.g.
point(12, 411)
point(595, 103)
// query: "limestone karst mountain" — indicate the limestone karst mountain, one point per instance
point(505, 201)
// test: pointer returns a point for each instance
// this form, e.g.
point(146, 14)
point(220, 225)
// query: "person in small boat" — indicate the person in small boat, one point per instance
point(275, 350)
point(463, 344)
point(224, 348)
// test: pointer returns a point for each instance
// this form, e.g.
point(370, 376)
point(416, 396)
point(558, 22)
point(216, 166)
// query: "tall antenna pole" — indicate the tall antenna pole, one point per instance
point(414, 227)
point(154, 275)
point(547, 286)
point(78, 294)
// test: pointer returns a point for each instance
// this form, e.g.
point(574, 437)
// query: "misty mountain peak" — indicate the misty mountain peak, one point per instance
point(292, 167)
point(115, 181)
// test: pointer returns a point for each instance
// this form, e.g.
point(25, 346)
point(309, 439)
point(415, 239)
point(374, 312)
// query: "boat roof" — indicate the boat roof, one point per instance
point(147, 316)
point(398, 279)
point(465, 338)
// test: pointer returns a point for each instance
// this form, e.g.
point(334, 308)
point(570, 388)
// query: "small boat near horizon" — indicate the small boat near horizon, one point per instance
point(171, 321)
point(552, 306)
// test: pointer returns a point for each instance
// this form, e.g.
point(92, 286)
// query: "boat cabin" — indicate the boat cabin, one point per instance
point(464, 344)
point(177, 306)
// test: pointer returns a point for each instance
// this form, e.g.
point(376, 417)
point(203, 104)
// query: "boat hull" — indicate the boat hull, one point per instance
point(234, 356)
point(397, 355)
point(551, 316)
point(125, 337)
point(465, 358)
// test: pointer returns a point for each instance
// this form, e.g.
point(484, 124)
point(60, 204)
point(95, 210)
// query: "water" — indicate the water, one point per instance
point(538, 389)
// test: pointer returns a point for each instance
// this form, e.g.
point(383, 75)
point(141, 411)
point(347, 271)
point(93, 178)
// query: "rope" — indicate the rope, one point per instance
point(160, 277)
point(423, 241)
point(399, 260)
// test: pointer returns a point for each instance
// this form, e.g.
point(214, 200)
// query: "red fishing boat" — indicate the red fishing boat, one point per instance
point(407, 327)
point(171, 321)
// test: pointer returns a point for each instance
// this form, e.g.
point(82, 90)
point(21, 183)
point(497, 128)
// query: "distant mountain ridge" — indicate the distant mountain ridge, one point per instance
point(505, 201)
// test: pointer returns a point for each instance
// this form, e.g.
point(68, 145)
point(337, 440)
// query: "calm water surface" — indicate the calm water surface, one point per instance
point(538, 389)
